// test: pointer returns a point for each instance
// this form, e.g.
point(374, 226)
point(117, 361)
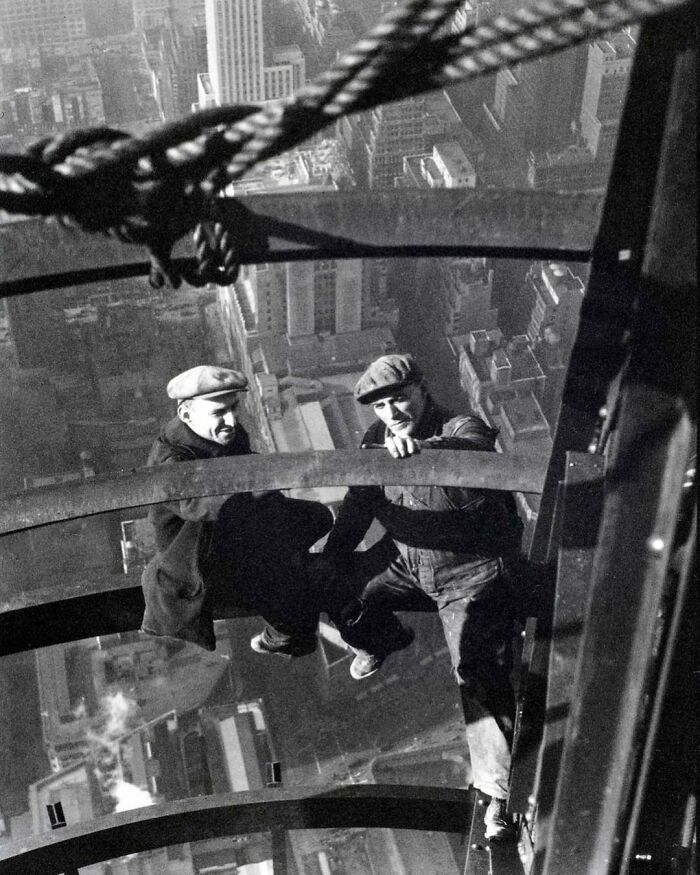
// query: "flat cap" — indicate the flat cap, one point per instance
point(206, 381)
point(385, 374)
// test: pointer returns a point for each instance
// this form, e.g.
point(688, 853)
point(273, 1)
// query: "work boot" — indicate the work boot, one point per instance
point(261, 644)
point(365, 664)
point(499, 824)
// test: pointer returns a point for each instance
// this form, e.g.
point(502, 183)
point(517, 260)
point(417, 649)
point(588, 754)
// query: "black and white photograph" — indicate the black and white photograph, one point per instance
point(348, 434)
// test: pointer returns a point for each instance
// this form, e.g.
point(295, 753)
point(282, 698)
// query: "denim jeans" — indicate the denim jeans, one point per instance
point(475, 607)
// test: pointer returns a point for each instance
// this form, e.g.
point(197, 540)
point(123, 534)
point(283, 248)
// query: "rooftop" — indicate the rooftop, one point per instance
point(313, 353)
point(572, 155)
point(453, 158)
point(559, 280)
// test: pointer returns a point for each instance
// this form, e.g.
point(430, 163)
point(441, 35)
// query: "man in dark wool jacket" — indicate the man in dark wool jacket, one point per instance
point(249, 548)
point(453, 547)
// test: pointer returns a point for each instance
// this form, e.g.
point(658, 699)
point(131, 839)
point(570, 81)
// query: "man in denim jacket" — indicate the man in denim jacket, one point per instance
point(453, 548)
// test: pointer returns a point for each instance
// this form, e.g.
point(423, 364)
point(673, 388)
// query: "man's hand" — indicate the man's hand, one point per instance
point(401, 447)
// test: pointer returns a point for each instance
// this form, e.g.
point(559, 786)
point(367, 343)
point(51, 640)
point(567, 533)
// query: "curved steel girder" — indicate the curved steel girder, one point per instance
point(79, 609)
point(144, 486)
point(328, 225)
point(191, 820)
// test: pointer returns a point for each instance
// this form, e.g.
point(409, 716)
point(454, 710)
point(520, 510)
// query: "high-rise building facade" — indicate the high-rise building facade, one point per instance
point(324, 297)
point(558, 294)
point(236, 55)
point(607, 75)
point(286, 74)
point(41, 22)
point(302, 298)
point(235, 50)
point(464, 295)
point(151, 13)
point(535, 103)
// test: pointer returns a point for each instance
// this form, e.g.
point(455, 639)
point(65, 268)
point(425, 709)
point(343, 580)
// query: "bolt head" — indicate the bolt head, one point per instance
point(656, 544)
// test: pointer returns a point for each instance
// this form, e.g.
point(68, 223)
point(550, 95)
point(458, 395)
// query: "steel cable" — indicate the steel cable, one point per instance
point(154, 189)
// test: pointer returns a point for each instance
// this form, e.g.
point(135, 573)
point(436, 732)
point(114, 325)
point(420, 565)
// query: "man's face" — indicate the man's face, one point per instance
point(401, 410)
point(213, 419)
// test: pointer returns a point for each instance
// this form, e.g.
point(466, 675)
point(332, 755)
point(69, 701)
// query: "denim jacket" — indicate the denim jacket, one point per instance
point(481, 523)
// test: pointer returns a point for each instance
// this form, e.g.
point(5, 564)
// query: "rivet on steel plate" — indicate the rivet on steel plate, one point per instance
point(655, 544)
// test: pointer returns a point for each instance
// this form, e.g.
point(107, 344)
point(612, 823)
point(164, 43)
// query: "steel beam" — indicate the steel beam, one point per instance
point(664, 815)
point(617, 653)
point(580, 509)
point(145, 486)
point(610, 304)
point(75, 609)
point(36, 255)
point(607, 311)
point(78, 609)
point(620, 666)
point(190, 820)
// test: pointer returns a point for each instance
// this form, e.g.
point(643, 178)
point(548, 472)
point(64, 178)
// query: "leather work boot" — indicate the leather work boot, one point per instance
point(499, 824)
point(365, 664)
point(260, 644)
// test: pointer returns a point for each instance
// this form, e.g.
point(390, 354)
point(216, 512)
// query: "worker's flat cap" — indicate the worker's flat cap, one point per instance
point(386, 374)
point(206, 381)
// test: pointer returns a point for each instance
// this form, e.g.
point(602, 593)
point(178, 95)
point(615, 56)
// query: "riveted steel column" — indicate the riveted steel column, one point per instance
point(580, 510)
point(609, 307)
point(617, 678)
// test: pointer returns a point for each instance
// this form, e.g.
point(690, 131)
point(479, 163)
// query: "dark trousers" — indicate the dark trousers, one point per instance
point(475, 605)
point(259, 555)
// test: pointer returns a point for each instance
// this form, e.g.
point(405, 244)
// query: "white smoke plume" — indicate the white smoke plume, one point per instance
point(130, 796)
point(116, 714)
point(118, 709)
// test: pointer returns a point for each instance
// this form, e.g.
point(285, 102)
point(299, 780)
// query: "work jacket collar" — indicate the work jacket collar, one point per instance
point(178, 434)
point(432, 420)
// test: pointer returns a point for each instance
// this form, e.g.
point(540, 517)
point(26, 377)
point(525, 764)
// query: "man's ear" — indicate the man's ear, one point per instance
point(183, 411)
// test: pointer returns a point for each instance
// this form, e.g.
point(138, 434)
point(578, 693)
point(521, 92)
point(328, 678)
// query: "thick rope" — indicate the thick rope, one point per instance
point(154, 189)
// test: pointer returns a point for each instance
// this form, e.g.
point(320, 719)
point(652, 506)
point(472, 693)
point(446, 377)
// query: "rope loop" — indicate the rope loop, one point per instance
point(156, 188)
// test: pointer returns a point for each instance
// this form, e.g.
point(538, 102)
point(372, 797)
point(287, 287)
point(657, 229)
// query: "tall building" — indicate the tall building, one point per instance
point(584, 165)
point(235, 50)
point(286, 74)
point(558, 294)
point(236, 55)
point(324, 297)
point(41, 22)
point(188, 19)
point(607, 74)
point(302, 298)
point(464, 295)
point(378, 141)
point(151, 13)
point(535, 103)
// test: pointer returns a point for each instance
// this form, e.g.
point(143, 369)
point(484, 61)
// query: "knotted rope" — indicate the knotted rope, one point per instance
point(154, 189)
